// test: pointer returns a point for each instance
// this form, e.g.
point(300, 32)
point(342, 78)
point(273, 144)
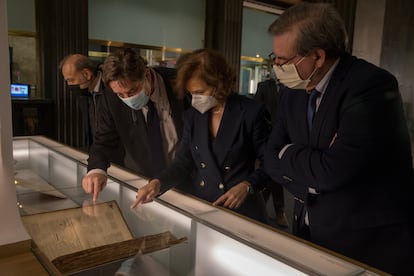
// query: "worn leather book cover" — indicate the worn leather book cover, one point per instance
point(80, 238)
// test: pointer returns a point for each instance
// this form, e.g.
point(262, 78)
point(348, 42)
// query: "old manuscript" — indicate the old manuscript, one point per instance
point(80, 238)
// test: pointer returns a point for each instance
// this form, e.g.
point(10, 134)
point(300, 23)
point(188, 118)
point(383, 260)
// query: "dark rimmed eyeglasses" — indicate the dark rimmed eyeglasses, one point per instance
point(274, 58)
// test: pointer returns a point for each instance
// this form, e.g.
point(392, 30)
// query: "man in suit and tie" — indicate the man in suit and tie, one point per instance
point(141, 113)
point(340, 143)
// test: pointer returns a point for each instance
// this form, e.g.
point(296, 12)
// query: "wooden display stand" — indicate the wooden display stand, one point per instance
point(81, 238)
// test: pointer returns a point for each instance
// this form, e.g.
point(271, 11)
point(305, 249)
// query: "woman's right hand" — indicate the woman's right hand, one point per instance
point(147, 193)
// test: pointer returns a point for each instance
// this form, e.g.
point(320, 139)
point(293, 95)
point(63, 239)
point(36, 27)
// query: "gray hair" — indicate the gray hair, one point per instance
point(318, 25)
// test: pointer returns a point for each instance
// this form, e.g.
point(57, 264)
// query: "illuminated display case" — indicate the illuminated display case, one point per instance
point(218, 242)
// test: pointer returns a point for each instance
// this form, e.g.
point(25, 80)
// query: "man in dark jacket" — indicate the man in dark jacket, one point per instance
point(84, 80)
point(340, 143)
point(141, 113)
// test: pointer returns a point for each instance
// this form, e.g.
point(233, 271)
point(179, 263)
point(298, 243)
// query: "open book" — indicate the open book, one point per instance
point(80, 238)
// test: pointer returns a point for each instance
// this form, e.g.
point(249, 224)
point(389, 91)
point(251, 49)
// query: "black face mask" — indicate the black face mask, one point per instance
point(75, 88)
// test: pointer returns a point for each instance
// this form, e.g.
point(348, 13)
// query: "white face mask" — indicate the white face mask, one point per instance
point(289, 76)
point(203, 103)
point(137, 101)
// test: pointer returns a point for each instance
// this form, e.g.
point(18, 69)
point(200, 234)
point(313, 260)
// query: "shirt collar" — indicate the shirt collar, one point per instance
point(98, 83)
point(323, 84)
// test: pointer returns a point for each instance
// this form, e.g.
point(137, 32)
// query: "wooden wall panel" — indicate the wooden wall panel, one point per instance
point(62, 28)
point(224, 20)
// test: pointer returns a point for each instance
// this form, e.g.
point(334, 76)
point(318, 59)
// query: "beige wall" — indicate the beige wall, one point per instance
point(11, 227)
point(384, 36)
point(368, 29)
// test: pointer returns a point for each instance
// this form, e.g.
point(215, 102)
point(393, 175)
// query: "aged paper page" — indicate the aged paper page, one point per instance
point(67, 231)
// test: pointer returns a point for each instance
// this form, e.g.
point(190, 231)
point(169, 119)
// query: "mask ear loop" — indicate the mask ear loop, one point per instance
point(214, 95)
point(316, 68)
point(149, 82)
point(313, 72)
point(85, 75)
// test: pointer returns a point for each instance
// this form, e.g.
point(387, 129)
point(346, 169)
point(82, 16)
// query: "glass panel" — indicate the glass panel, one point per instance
point(48, 177)
point(231, 257)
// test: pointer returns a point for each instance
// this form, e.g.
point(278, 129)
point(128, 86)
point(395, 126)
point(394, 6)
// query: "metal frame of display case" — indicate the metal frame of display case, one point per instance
point(220, 242)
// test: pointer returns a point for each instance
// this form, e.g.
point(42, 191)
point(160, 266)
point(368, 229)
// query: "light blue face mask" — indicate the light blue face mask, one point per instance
point(137, 101)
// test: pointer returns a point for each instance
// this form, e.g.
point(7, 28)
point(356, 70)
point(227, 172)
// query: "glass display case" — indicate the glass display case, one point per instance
point(219, 242)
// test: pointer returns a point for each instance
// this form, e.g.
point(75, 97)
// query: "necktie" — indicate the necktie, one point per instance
point(155, 139)
point(312, 106)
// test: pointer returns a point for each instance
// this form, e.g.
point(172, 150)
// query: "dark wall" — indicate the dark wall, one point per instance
point(223, 31)
point(398, 50)
point(62, 29)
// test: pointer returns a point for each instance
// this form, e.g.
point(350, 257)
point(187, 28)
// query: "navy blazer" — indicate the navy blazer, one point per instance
point(357, 156)
point(221, 163)
point(121, 125)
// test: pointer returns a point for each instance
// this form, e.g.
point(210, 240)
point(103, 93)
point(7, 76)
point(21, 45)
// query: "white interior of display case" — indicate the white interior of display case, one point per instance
point(219, 242)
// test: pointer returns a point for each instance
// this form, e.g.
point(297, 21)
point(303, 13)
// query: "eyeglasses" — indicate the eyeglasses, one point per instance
point(274, 58)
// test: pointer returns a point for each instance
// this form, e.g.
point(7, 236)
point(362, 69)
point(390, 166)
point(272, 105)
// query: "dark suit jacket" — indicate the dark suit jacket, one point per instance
point(365, 178)
point(118, 123)
point(88, 105)
point(223, 163)
point(268, 92)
